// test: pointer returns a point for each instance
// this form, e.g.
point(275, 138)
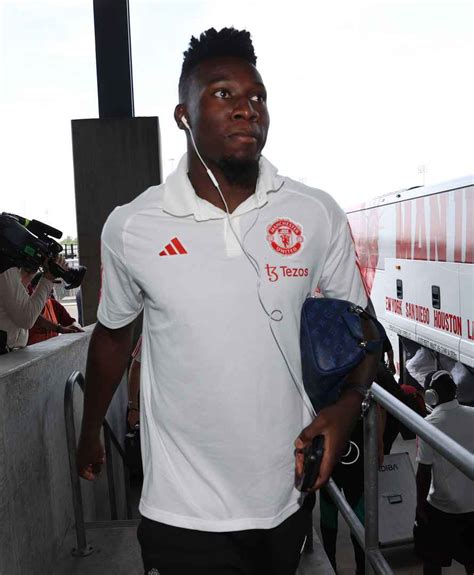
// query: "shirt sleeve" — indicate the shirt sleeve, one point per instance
point(22, 309)
point(62, 314)
point(424, 452)
point(341, 278)
point(121, 299)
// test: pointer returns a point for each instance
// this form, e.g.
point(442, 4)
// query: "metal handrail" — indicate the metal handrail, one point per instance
point(456, 454)
point(371, 499)
point(352, 519)
point(367, 536)
point(83, 549)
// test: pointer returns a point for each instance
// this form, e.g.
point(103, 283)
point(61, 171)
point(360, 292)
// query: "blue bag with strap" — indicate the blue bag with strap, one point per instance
point(332, 345)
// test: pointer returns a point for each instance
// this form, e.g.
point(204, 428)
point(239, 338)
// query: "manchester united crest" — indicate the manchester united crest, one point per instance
point(285, 237)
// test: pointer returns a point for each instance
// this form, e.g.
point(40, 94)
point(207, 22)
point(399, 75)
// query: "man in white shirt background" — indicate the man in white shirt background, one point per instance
point(445, 496)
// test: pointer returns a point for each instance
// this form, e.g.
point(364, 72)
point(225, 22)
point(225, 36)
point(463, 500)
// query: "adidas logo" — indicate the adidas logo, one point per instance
point(174, 248)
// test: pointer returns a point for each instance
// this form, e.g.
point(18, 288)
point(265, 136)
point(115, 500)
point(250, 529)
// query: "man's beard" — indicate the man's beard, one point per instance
point(242, 173)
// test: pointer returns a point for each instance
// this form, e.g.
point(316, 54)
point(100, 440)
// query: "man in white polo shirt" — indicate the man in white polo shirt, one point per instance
point(221, 285)
point(445, 496)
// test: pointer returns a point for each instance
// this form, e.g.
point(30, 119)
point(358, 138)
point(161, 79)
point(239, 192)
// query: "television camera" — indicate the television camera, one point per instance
point(30, 244)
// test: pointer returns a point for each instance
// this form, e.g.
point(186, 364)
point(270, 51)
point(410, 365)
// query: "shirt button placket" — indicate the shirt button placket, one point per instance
point(232, 246)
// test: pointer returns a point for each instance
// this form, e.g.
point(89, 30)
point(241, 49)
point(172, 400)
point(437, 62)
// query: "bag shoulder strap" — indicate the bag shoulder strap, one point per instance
point(371, 345)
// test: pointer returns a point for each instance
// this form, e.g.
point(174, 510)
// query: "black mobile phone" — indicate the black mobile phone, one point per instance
point(312, 461)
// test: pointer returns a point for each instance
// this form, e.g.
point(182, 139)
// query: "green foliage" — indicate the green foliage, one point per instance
point(68, 240)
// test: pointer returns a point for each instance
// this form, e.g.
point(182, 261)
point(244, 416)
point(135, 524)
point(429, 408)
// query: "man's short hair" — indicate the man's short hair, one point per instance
point(228, 42)
point(442, 382)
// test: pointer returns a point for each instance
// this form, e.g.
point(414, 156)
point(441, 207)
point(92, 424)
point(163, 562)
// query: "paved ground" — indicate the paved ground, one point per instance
point(116, 552)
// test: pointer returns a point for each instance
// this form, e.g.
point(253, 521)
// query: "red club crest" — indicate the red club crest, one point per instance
point(285, 237)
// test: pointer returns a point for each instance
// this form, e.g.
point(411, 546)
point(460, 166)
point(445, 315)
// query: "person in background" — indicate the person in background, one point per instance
point(18, 310)
point(463, 376)
point(54, 318)
point(408, 395)
point(221, 412)
point(444, 527)
point(388, 352)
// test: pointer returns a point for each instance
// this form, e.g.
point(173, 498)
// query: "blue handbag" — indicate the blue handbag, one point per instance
point(332, 345)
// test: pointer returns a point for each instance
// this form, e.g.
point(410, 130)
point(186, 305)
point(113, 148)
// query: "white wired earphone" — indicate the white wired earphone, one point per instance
point(275, 315)
point(347, 453)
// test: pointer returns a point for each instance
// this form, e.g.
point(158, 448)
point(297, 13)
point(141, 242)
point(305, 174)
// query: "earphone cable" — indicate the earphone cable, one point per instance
point(276, 315)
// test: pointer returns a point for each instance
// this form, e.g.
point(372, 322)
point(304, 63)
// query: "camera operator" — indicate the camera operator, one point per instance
point(18, 310)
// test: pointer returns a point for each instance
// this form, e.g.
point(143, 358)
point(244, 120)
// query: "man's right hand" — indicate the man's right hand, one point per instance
point(109, 350)
point(90, 458)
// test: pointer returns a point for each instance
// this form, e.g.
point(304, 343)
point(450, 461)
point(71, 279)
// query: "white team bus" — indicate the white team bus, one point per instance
point(416, 253)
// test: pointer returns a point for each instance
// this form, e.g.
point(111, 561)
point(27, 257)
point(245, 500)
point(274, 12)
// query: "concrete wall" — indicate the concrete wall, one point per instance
point(35, 490)
point(115, 160)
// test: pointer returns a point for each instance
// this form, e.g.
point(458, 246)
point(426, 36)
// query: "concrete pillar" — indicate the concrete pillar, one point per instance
point(115, 160)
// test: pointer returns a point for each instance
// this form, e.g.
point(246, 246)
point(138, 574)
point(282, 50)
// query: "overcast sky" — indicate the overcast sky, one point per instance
point(362, 94)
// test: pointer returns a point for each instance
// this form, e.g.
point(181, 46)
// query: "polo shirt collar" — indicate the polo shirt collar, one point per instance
point(447, 406)
point(181, 200)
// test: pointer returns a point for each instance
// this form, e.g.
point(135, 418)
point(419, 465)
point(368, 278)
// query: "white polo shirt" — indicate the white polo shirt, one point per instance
point(220, 411)
point(450, 491)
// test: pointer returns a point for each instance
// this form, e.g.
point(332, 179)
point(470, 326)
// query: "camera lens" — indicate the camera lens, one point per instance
point(73, 277)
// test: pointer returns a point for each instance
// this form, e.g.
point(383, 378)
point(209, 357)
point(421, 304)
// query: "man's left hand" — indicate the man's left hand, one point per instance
point(69, 329)
point(335, 422)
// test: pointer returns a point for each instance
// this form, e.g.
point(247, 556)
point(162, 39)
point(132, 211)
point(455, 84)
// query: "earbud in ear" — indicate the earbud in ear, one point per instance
point(185, 122)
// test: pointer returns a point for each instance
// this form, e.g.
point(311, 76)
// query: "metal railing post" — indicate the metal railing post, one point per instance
point(126, 474)
point(109, 439)
point(83, 549)
point(368, 537)
point(371, 484)
point(110, 474)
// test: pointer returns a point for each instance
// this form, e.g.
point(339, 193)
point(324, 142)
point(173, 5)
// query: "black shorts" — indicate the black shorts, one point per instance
point(168, 550)
point(446, 536)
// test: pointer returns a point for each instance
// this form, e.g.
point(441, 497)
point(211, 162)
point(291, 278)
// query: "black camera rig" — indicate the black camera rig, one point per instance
point(29, 244)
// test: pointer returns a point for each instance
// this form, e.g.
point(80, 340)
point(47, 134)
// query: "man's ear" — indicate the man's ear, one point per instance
point(179, 112)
